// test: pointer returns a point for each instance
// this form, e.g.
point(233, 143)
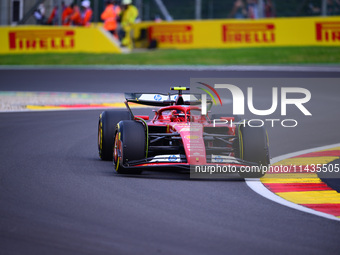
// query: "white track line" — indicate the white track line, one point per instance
point(258, 187)
point(239, 68)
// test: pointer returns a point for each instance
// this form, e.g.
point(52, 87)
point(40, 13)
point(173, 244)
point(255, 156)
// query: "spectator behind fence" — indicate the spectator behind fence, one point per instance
point(252, 9)
point(239, 10)
point(67, 14)
point(269, 9)
point(76, 16)
point(129, 15)
point(54, 17)
point(86, 14)
point(39, 14)
point(110, 16)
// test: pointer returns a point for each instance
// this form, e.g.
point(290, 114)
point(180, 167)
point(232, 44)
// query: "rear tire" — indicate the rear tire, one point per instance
point(254, 148)
point(129, 145)
point(106, 129)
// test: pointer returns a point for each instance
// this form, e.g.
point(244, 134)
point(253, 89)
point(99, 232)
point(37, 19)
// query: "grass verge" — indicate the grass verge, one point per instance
point(246, 56)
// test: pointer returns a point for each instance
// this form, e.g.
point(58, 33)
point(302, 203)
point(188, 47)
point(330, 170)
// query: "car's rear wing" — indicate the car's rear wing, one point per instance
point(159, 99)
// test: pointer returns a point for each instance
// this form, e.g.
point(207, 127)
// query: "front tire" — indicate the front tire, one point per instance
point(106, 129)
point(129, 145)
point(254, 147)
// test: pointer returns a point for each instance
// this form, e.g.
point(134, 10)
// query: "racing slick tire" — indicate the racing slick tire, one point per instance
point(129, 145)
point(254, 147)
point(106, 130)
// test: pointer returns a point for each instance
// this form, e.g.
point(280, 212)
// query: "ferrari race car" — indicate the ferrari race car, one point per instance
point(179, 136)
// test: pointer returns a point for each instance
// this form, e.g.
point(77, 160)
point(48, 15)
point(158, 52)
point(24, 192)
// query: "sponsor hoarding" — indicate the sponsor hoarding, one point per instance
point(310, 31)
point(42, 39)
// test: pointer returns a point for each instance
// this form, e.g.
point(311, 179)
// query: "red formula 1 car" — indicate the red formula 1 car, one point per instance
point(178, 136)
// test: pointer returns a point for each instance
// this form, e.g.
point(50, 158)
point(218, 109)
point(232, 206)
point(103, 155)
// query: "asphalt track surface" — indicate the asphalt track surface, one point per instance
point(57, 197)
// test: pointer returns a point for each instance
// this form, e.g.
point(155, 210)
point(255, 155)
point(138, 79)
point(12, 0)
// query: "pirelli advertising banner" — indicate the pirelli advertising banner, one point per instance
point(42, 39)
point(311, 31)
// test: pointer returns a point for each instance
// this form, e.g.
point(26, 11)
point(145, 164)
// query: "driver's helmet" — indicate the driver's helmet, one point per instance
point(177, 115)
point(174, 115)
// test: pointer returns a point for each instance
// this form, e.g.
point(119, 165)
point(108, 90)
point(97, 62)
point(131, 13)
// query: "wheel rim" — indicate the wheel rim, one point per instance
point(116, 148)
point(100, 135)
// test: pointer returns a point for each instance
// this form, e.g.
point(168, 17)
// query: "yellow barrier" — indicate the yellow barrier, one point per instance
point(43, 39)
point(310, 31)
